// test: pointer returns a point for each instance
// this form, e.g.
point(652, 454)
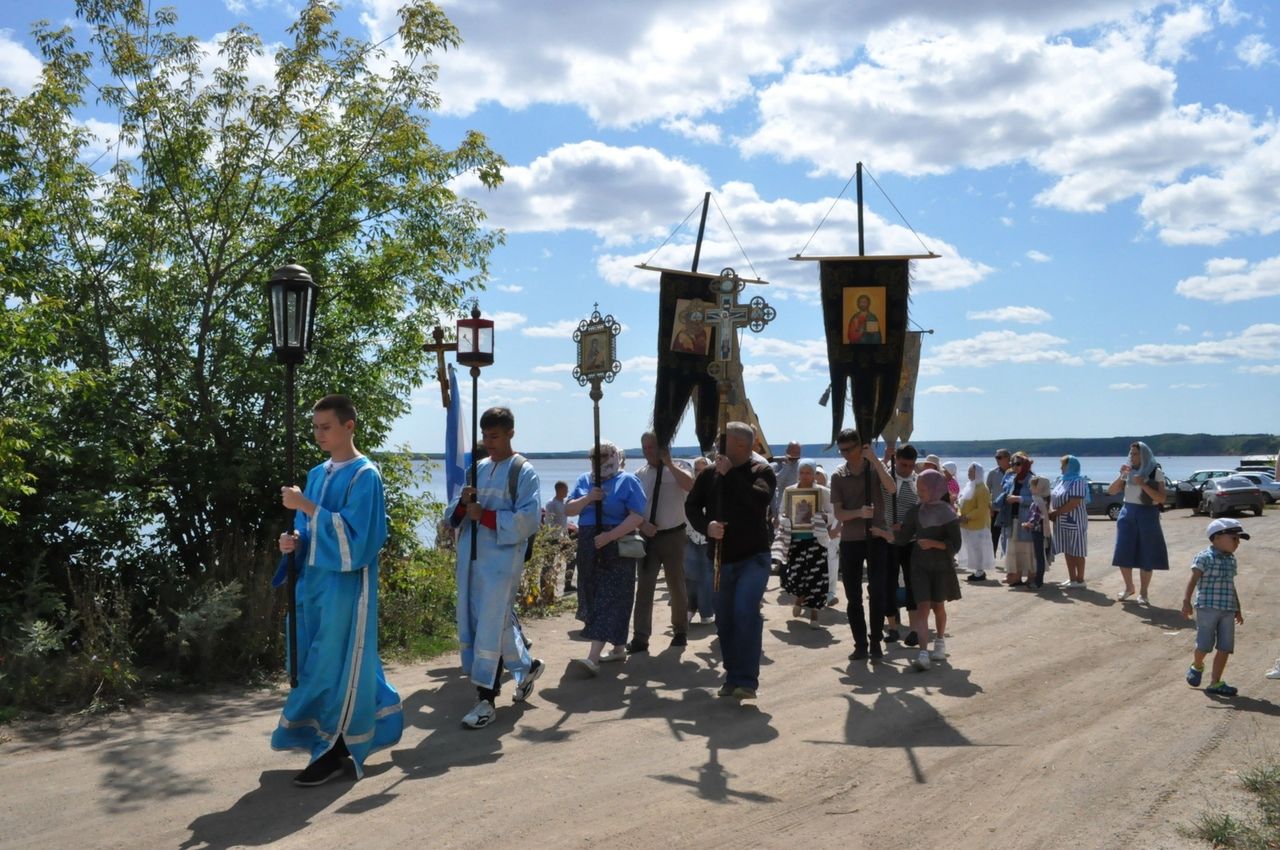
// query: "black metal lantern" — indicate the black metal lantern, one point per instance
point(475, 340)
point(294, 296)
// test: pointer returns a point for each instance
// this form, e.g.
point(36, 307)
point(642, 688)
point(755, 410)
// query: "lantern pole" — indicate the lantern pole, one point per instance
point(597, 365)
point(475, 443)
point(292, 300)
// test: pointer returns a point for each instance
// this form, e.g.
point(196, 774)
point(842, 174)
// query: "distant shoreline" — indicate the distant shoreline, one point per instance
point(1163, 445)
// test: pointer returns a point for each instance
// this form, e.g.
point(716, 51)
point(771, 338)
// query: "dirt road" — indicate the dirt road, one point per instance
point(1062, 720)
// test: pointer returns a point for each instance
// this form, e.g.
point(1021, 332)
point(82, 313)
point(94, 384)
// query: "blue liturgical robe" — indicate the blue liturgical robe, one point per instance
point(487, 627)
point(341, 688)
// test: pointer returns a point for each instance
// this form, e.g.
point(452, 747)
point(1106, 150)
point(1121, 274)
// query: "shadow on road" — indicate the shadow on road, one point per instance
point(1239, 703)
point(899, 718)
point(272, 811)
point(1169, 619)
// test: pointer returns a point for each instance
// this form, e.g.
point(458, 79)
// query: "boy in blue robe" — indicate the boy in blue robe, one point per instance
point(343, 706)
point(505, 514)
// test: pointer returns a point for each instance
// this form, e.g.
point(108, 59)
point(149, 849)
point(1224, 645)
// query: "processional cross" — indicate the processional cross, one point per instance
point(440, 347)
point(727, 317)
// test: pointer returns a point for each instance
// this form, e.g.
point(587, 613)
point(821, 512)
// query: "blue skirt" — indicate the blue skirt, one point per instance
point(1139, 539)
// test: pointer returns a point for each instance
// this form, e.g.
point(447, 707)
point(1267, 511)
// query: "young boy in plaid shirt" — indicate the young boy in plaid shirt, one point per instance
point(1217, 605)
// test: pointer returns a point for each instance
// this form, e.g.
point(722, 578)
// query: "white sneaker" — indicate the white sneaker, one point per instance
point(939, 650)
point(613, 655)
point(480, 716)
point(526, 686)
point(1274, 672)
point(922, 661)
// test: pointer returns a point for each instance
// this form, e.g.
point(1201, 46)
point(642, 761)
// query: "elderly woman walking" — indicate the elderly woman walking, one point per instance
point(607, 581)
point(1068, 511)
point(1014, 502)
point(1139, 539)
point(804, 575)
point(935, 530)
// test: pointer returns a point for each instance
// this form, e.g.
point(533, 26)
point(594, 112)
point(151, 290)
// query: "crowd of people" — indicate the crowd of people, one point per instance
point(895, 530)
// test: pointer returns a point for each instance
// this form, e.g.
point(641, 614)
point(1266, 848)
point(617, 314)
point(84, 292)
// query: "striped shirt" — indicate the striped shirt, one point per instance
point(896, 504)
point(1217, 587)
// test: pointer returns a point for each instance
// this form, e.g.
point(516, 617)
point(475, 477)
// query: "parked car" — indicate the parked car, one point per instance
point(1269, 486)
point(1190, 489)
point(1102, 503)
point(1230, 494)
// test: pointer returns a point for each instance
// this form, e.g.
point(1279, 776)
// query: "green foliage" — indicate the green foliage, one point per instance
point(417, 610)
point(146, 460)
point(1258, 833)
point(552, 550)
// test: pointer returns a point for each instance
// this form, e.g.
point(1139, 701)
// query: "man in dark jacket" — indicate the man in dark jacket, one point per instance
point(730, 503)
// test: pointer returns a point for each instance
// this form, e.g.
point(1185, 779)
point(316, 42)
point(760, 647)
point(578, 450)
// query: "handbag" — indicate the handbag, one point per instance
point(631, 545)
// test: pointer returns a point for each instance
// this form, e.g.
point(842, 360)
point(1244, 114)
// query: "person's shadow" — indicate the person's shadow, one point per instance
point(271, 812)
point(1170, 619)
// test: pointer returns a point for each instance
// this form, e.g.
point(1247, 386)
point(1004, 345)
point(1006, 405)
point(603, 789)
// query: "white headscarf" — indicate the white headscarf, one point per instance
point(970, 487)
point(611, 458)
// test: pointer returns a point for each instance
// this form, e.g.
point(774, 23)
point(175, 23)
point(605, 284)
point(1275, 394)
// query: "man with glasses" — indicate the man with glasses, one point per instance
point(995, 483)
point(857, 501)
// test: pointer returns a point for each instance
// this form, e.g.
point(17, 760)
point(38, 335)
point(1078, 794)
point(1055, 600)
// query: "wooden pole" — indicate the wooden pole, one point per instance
point(290, 475)
point(596, 395)
point(702, 228)
point(862, 248)
point(475, 446)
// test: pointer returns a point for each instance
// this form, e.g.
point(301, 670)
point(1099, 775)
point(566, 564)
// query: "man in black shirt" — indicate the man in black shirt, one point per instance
point(730, 503)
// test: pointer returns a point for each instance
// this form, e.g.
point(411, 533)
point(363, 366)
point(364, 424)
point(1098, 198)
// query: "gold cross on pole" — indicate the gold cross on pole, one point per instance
point(728, 316)
point(440, 347)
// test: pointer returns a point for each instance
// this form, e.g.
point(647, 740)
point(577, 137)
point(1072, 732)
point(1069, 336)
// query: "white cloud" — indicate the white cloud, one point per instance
point(578, 186)
point(1126, 386)
point(1231, 279)
point(19, 68)
point(1229, 15)
point(696, 131)
point(948, 389)
point(504, 320)
point(1022, 315)
point(1038, 256)
point(1256, 342)
point(514, 385)
point(1187, 386)
point(764, 372)
point(511, 288)
point(1050, 388)
point(555, 368)
point(1260, 370)
point(1006, 221)
point(992, 347)
point(1242, 197)
point(563, 328)
point(1254, 51)
point(634, 393)
point(1182, 329)
point(804, 358)
point(1176, 32)
point(641, 366)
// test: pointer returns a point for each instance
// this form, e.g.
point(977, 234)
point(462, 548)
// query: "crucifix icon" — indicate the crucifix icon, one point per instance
point(727, 317)
point(440, 347)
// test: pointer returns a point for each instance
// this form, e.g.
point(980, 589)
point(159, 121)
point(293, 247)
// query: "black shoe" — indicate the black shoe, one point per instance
point(912, 639)
point(570, 587)
point(975, 578)
point(637, 645)
point(859, 654)
point(320, 771)
point(876, 652)
point(680, 640)
point(891, 636)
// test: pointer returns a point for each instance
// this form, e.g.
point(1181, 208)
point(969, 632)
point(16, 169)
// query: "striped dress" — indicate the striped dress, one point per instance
point(1071, 530)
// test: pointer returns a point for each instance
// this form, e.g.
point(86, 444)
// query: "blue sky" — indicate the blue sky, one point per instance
point(1101, 178)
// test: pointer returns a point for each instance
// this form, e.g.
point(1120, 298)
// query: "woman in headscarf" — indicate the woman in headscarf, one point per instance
point(1139, 538)
point(606, 580)
point(1014, 503)
point(1069, 512)
point(804, 575)
point(974, 503)
point(935, 528)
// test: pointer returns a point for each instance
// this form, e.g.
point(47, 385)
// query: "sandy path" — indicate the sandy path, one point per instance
point(1061, 721)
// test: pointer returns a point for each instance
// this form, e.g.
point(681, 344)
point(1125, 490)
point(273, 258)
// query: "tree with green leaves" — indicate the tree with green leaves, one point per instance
point(140, 409)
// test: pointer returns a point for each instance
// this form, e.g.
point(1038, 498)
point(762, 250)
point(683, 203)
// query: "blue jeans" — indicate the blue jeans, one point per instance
point(739, 623)
point(698, 579)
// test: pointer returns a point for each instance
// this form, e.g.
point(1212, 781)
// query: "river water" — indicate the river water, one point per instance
point(551, 470)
